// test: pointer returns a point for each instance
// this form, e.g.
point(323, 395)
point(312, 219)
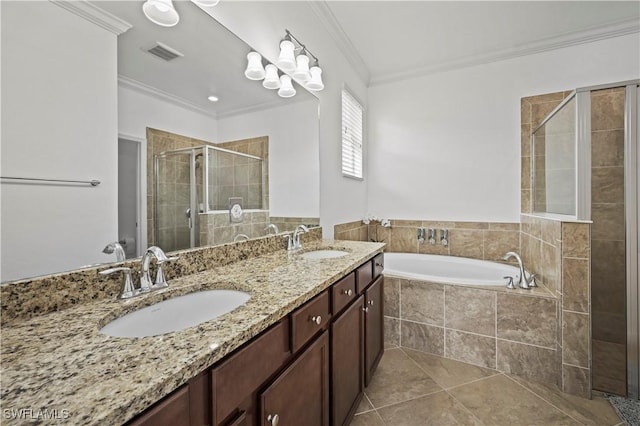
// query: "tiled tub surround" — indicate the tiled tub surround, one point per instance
point(217, 228)
point(106, 380)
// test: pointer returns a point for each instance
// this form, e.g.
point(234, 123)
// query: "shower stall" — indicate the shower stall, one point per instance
point(191, 182)
point(585, 161)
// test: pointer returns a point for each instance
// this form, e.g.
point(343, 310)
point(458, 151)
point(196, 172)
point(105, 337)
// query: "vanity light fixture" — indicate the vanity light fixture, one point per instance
point(161, 12)
point(309, 78)
point(286, 60)
point(271, 78)
point(286, 88)
point(315, 83)
point(302, 73)
point(255, 70)
point(206, 3)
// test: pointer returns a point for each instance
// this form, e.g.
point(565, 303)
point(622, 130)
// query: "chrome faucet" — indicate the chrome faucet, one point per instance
point(128, 289)
point(421, 235)
point(523, 282)
point(145, 280)
point(116, 248)
point(270, 226)
point(239, 237)
point(432, 236)
point(300, 229)
point(444, 237)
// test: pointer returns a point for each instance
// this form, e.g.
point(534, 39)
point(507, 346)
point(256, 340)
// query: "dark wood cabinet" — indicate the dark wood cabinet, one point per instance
point(309, 369)
point(300, 394)
point(373, 325)
point(347, 350)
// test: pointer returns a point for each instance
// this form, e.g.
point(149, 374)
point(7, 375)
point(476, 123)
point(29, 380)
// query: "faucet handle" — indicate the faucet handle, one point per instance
point(128, 290)
point(290, 245)
point(510, 284)
point(431, 232)
point(444, 237)
point(532, 280)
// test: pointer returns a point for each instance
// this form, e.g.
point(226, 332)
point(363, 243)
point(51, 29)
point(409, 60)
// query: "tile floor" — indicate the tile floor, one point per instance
point(413, 388)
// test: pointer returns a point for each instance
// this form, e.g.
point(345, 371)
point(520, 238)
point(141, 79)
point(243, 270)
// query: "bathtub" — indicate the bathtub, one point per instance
point(448, 269)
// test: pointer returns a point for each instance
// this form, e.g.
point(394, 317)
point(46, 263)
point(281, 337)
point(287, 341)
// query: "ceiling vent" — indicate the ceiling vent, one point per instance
point(164, 52)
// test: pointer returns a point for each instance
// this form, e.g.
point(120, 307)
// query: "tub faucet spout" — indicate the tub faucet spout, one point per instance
point(523, 281)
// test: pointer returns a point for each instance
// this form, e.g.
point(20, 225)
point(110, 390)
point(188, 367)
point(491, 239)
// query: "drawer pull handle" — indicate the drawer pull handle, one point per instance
point(273, 419)
point(347, 292)
point(317, 319)
point(370, 303)
point(365, 309)
point(379, 265)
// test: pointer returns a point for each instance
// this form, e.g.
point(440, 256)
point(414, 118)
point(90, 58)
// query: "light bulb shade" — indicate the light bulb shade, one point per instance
point(271, 79)
point(286, 60)
point(286, 88)
point(302, 68)
point(161, 12)
point(255, 70)
point(315, 83)
point(206, 3)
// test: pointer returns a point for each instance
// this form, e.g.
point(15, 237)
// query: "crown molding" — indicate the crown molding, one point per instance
point(145, 89)
point(330, 23)
point(601, 32)
point(94, 14)
point(261, 107)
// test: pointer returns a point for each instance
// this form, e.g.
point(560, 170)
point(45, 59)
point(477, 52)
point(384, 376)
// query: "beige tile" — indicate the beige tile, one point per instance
point(407, 223)
point(539, 111)
point(525, 172)
point(503, 226)
point(575, 240)
point(466, 243)
point(575, 381)
point(439, 249)
point(550, 266)
point(551, 231)
point(532, 362)
point(607, 185)
point(575, 339)
point(531, 253)
point(499, 400)
point(609, 366)
point(471, 348)
point(547, 97)
point(471, 225)
point(529, 320)
point(607, 111)
point(596, 411)
point(403, 240)
point(607, 148)
point(525, 111)
point(525, 201)
point(608, 276)
point(367, 419)
point(497, 243)
point(422, 337)
point(422, 301)
point(609, 326)
point(436, 409)
point(608, 221)
point(575, 281)
point(391, 332)
point(470, 310)
point(392, 297)
point(364, 405)
point(447, 372)
point(397, 379)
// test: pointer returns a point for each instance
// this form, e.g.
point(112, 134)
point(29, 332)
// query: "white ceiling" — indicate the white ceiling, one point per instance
point(395, 39)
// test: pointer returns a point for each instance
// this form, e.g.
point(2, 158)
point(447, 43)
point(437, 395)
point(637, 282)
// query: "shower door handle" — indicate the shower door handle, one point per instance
point(187, 213)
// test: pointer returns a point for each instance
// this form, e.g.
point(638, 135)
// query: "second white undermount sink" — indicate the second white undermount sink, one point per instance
point(176, 314)
point(323, 254)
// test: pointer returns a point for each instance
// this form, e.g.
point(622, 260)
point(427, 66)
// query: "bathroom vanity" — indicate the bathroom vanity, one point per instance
point(300, 351)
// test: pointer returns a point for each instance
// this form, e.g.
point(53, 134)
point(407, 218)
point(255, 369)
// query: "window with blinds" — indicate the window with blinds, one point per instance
point(352, 113)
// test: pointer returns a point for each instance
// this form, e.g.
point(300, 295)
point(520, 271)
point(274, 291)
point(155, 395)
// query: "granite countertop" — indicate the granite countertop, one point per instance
point(59, 364)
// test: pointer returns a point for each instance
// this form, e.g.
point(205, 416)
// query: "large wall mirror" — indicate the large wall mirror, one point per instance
point(174, 160)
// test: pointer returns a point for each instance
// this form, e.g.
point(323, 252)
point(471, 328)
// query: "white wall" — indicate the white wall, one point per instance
point(447, 146)
point(59, 116)
point(137, 111)
point(262, 25)
point(294, 157)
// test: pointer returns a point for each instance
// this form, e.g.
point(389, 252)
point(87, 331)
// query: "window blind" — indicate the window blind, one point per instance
point(352, 113)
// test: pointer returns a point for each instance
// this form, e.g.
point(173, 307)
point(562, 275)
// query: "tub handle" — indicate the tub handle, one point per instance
point(510, 284)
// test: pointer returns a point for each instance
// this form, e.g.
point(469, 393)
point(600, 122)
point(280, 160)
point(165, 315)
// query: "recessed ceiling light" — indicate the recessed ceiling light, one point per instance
point(213, 98)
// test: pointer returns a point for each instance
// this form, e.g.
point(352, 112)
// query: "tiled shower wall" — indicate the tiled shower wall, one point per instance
point(608, 240)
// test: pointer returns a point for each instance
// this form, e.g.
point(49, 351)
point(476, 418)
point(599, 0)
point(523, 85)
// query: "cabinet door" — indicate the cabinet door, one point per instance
point(300, 394)
point(170, 411)
point(347, 340)
point(374, 333)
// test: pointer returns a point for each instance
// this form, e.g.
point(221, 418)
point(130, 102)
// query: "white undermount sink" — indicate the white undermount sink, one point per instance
point(176, 314)
point(323, 254)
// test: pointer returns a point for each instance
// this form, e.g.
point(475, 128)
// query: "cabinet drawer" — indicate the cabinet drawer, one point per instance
point(236, 379)
point(308, 320)
point(343, 292)
point(171, 411)
point(364, 276)
point(378, 265)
